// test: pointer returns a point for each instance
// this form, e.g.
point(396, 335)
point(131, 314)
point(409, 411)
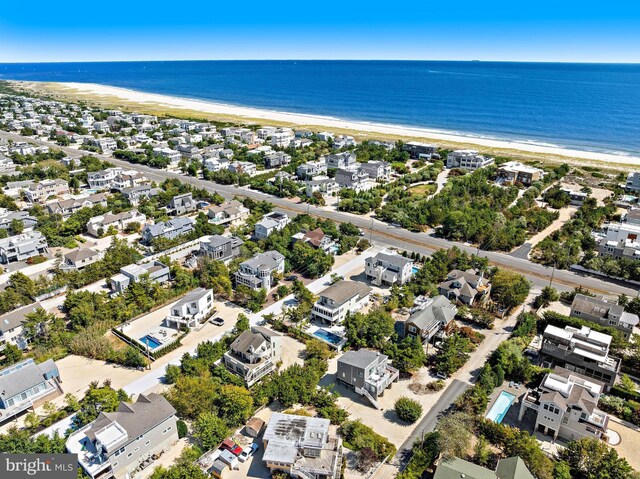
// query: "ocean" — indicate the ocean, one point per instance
point(592, 107)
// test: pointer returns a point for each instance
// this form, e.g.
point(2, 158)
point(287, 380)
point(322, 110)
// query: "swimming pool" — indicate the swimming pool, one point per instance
point(499, 409)
point(414, 269)
point(327, 336)
point(150, 341)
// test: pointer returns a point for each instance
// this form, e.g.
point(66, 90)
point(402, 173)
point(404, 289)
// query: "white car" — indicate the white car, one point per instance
point(248, 451)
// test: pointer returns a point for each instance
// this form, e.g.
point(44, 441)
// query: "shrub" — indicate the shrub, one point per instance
point(182, 429)
point(357, 436)
point(408, 410)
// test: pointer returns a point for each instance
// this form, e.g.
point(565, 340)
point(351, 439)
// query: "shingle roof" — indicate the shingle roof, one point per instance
point(361, 358)
point(137, 418)
point(80, 254)
point(24, 378)
point(513, 468)
point(343, 290)
point(440, 310)
point(14, 319)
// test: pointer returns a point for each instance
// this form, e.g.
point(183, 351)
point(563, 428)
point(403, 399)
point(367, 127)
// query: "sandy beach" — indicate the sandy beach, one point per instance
point(150, 102)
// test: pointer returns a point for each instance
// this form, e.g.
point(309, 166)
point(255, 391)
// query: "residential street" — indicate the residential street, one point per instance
point(422, 243)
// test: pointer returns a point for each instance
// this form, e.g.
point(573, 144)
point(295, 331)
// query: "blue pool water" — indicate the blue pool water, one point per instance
point(150, 341)
point(328, 336)
point(499, 409)
point(415, 269)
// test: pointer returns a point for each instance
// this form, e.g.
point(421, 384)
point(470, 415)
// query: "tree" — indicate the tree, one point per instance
point(408, 410)
point(590, 458)
point(369, 330)
point(12, 354)
point(509, 289)
point(546, 297)
point(209, 429)
point(454, 439)
point(16, 226)
point(234, 404)
point(317, 349)
point(481, 451)
point(561, 470)
point(627, 383)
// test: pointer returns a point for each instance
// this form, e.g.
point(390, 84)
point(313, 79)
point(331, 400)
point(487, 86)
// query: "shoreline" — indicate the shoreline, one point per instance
point(114, 96)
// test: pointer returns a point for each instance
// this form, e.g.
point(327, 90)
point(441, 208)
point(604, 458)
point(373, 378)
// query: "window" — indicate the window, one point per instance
point(546, 407)
point(115, 464)
point(136, 449)
point(130, 454)
point(147, 443)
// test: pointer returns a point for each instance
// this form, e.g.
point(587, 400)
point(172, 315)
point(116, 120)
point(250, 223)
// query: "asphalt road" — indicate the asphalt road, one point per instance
point(423, 243)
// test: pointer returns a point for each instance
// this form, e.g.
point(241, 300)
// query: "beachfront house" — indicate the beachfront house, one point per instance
point(12, 328)
point(230, 212)
point(39, 192)
point(79, 259)
point(169, 229)
point(181, 204)
point(468, 160)
point(102, 224)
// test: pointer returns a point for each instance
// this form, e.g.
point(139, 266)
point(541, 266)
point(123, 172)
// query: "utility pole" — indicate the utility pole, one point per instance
point(552, 272)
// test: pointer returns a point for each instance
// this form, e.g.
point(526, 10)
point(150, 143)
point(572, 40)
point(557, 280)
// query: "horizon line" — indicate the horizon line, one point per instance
point(592, 62)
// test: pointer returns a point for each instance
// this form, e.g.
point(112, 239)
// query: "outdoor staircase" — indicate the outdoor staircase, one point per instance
point(365, 393)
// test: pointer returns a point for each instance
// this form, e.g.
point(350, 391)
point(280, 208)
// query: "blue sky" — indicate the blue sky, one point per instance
point(534, 30)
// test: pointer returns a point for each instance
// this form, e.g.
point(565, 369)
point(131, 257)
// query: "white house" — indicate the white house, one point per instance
point(269, 223)
point(191, 309)
point(339, 299)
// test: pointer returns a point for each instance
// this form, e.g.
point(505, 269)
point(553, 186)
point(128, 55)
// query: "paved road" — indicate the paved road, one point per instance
point(422, 243)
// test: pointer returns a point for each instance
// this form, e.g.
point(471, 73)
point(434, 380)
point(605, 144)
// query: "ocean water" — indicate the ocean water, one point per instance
point(585, 106)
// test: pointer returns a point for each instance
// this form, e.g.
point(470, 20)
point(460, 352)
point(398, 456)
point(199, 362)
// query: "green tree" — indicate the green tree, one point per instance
point(234, 404)
point(209, 429)
point(454, 438)
point(509, 289)
point(590, 458)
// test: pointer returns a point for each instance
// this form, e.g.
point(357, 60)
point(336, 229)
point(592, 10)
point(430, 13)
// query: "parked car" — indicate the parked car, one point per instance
point(217, 321)
point(441, 375)
point(292, 277)
point(231, 446)
point(248, 451)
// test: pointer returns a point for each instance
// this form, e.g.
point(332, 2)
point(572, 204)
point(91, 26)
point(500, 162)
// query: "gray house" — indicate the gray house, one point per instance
point(368, 372)
point(11, 328)
point(604, 313)
point(256, 272)
point(27, 385)
point(23, 217)
point(254, 354)
point(181, 204)
point(80, 258)
point(220, 247)
point(116, 443)
point(169, 230)
point(430, 319)
point(465, 286)
point(583, 351)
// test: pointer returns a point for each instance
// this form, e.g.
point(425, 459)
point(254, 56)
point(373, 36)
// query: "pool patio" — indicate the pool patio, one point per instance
point(332, 335)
